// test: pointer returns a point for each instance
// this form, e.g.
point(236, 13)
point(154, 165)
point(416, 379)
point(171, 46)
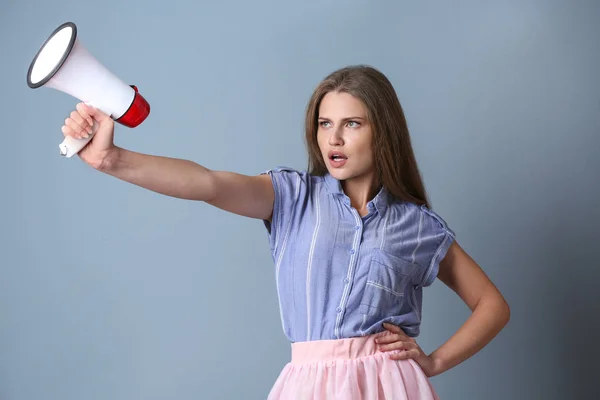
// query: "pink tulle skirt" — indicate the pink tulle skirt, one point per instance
point(349, 369)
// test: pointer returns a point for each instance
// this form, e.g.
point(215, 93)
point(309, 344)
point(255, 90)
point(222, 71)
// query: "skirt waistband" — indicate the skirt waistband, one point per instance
point(335, 349)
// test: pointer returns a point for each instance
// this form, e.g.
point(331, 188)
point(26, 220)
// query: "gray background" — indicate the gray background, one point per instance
point(108, 291)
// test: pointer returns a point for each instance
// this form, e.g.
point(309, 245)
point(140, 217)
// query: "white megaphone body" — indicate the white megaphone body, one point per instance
point(63, 63)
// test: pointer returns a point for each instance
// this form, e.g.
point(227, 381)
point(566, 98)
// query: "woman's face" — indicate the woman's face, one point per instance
point(345, 136)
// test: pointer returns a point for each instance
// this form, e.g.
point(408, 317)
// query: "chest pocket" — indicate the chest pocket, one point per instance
point(388, 288)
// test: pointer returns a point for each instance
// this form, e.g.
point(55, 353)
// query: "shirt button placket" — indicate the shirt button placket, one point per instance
point(358, 234)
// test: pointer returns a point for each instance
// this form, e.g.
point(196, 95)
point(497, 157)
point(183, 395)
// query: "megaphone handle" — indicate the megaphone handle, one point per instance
point(71, 146)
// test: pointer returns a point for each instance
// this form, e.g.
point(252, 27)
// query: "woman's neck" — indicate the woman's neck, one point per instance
point(361, 190)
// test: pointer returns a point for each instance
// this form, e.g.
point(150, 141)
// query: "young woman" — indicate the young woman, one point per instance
point(353, 239)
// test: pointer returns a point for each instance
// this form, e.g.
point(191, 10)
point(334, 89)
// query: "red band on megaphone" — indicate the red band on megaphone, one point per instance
point(137, 112)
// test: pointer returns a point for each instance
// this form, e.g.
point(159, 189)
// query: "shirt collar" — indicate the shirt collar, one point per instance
point(380, 201)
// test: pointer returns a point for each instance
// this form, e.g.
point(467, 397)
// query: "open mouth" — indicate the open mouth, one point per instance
point(337, 157)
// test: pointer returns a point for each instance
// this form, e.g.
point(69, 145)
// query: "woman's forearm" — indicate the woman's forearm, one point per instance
point(169, 176)
point(487, 319)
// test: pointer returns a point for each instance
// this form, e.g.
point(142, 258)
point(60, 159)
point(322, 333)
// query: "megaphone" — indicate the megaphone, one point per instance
point(64, 64)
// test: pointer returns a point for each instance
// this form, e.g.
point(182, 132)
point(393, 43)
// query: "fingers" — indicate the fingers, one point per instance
point(397, 340)
point(393, 337)
point(84, 112)
point(405, 355)
point(397, 334)
point(398, 345)
point(392, 328)
point(78, 124)
point(72, 128)
point(402, 350)
point(88, 111)
point(67, 131)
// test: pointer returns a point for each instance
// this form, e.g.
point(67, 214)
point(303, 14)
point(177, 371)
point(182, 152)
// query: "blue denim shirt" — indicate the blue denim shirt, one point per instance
point(341, 275)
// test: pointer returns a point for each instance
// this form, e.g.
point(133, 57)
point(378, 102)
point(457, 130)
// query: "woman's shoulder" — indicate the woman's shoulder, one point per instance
point(418, 233)
point(294, 175)
point(420, 213)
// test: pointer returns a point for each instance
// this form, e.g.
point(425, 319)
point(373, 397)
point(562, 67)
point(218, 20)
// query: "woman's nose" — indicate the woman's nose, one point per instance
point(336, 139)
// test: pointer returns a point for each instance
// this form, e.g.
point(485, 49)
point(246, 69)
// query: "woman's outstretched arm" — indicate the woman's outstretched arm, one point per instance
point(250, 196)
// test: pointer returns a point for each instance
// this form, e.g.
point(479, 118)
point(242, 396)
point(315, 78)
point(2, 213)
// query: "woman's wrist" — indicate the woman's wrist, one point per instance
point(110, 160)
point(439, 365)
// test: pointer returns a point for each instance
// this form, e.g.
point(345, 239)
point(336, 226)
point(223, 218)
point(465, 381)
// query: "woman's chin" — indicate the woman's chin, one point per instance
point(346, 174)
point(339, 173)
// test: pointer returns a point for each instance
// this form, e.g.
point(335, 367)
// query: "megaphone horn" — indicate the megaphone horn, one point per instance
point(63, 63)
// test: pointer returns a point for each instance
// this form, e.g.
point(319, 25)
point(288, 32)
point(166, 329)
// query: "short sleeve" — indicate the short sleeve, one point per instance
point(435, 240)
point(289, 186)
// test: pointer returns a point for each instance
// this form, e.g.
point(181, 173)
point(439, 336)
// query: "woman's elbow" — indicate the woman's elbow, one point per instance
point(502, 311)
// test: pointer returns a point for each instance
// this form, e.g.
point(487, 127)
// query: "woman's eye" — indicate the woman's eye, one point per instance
point(324, 124)
point(353, 124)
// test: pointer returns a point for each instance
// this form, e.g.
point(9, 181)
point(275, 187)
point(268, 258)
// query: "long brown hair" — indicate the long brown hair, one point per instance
point(395, 162)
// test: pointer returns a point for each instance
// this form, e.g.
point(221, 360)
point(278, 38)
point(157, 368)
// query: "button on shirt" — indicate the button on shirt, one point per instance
point(340, 275)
